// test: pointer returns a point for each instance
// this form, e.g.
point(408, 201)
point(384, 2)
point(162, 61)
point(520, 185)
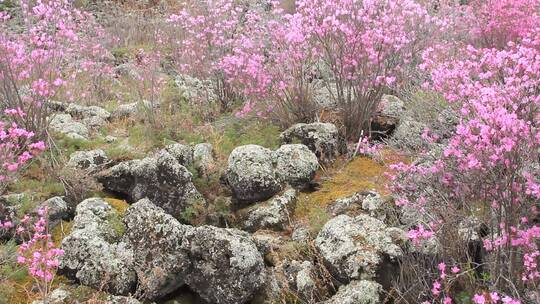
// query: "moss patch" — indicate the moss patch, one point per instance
point(121, 206)
point(61, 231)
point(342, 180)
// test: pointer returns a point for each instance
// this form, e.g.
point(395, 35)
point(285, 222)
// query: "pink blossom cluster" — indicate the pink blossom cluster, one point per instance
point(17, 147)
point(38, 252)
point(367, 147)
point(493, 298)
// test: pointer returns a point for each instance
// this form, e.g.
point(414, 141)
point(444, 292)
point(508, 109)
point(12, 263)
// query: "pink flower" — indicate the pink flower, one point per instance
point(479, 299)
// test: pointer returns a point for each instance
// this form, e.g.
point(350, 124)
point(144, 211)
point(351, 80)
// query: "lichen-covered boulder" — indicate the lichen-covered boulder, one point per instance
point(81, 111)
point(160, 178)
point(321, 138)
point(122, 300)
point(274, 214)
point(156, 239)
point(195, 90)
point(128, 110)
point(182, 153)
point(203, 158)
point(91, 252)
point(408, 134)
point(57, 210)
point(301, 278)
point(91, 116)
point(91, 161)
point(227, 268)
point(296, 164)
point(391, 106)
point(353, 248)
point(64, 123)
point(357, 292)
point(251, 175)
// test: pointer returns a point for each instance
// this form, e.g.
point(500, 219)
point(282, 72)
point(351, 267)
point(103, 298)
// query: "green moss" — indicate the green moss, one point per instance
point(115, 221)
point(61, 231)
point(343, 180)
point(119, 205)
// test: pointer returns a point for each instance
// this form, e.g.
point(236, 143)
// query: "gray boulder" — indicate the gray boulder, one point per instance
point(81, 111)
point(156, 239)
point(353, 248)
point(182, 153)
point(122, 300)
point(295, 164)
point(301, 278)
point(391, 106)
point(196, 91)
point(128, 110)
point(408, 134)
point(91, 254)
point(160, 178)
point(251, 175)
point(357, 292)
point(57, 210)
point(203, 158)
point(92, 116)
point(91, 161)
point(227, 268)
point(274, 214)
point(64, 123)
point(321, 138)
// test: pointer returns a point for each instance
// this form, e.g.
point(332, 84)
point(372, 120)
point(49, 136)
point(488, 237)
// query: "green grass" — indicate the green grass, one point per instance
point(42, 188)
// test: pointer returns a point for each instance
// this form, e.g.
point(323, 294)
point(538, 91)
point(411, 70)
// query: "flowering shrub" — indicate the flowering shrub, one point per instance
point(488, 173)
point(273, 66)
point(206, 33)
point(39, 253)
point(365, 46)
point(17, 147)
point(497, 22)
point(486, 23)
point(358, 48)
point(58, 43)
